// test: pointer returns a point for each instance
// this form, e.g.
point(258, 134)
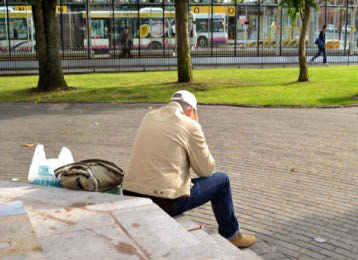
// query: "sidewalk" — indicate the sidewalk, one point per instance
point(293, 171)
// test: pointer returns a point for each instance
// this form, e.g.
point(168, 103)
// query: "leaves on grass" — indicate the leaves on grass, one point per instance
point(28, 145)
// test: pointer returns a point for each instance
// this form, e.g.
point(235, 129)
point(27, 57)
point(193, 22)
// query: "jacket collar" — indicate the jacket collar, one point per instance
point(175, 105)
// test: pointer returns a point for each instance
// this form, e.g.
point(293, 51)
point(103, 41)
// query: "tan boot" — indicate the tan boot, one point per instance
point(242, 241)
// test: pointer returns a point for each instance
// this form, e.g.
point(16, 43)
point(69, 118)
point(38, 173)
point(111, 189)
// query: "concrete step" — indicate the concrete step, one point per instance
point(91, 225)
point(17, 236)
point(219, 247)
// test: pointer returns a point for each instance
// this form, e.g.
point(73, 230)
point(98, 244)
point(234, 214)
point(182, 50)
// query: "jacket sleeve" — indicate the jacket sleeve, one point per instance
point(321, 36)
point(201, 160)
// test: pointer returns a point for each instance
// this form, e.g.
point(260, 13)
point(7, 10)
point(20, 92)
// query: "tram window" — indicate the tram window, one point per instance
point(100, 28)
point(17, 29)
point(3, 35)
point(218, 25)
point(202, 25)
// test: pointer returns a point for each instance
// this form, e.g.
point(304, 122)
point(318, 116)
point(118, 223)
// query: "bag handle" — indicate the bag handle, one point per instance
point(69, 167)
point(107, 164)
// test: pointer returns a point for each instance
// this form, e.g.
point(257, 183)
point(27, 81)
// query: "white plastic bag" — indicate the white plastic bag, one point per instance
point(42, 170)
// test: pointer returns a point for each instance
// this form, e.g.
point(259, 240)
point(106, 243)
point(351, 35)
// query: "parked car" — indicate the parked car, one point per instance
point(331, 28)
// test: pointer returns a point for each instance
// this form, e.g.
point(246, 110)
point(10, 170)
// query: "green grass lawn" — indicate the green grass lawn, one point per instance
point(267, 87)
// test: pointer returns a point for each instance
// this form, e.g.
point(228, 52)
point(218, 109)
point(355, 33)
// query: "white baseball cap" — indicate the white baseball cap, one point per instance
point(185, 96)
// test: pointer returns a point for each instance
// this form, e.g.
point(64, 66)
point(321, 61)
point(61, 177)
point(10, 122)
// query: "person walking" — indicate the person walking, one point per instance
point(125, 44)
point(169, 142)
point(321, 43)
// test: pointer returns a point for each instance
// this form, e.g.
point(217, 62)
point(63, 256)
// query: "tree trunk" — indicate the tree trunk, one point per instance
point(302, 46)
point(40, 42)
point(47, 47)
point(185, 73)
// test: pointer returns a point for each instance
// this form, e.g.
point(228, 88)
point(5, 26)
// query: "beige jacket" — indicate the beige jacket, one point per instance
point(168, 143)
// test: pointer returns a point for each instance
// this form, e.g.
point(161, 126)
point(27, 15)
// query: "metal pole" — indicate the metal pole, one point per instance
point(325, 12)
point(212, 27)
point(235, 43)
point(88, 25)
point(163, 20)
point(27, 28)
point(32, 34)
point(262, 55)
point(345, 29)
point(138, 28)
point(70, 27)
point(258, 28)
point(188, 10)
point(113, 33)
point(8, 29)
point(281, 21)
point(61, 21)
point(349, 51)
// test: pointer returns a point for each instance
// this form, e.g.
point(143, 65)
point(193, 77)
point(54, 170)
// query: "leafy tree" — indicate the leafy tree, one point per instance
point(47, 45)
point(300, 8)
point(185, 73)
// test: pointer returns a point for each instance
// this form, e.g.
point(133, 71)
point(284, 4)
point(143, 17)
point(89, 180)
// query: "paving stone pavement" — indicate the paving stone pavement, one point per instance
point(294, 172)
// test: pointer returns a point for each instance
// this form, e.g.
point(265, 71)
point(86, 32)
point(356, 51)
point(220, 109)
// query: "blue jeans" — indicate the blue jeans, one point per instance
point(216, 189)
point(320, 50)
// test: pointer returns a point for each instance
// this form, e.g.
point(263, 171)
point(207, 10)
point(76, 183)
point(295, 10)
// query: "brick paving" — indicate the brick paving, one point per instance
point(294, 172)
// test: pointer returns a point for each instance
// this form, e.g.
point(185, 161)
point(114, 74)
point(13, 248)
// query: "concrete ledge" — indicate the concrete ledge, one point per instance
point(88, 225)
point(17, 237)
point(56, 197)
point(75, 224)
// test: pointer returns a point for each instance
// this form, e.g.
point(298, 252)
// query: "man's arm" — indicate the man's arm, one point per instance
point(321, 36)
point(201, 160)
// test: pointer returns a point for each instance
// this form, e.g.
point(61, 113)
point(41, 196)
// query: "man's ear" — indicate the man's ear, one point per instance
point(190, 110)
point(187, 112)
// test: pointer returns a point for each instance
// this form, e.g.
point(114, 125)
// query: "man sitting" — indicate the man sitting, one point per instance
point(170, 141)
